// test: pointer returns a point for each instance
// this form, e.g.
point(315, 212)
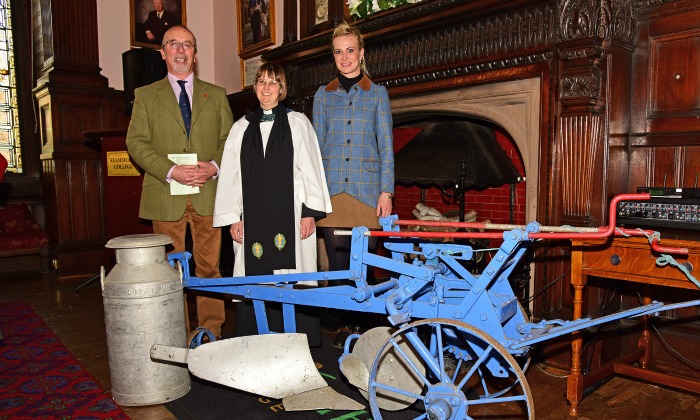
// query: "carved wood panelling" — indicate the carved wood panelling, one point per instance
point(584, 86)
point(509, 34)
point(597, 19)
point(578, 147)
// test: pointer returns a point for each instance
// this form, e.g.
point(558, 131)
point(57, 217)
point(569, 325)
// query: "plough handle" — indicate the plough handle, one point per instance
point(585, 233)
point(567, 327)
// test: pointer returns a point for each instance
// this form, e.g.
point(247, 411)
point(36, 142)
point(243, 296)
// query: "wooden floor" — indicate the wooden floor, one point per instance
point(77, 318)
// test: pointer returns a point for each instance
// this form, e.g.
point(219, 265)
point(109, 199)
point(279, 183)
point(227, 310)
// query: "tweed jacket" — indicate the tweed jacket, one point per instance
point(157, 128)
point(354, 130)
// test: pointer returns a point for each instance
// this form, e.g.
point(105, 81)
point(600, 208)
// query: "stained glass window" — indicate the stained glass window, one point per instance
point(9, 121)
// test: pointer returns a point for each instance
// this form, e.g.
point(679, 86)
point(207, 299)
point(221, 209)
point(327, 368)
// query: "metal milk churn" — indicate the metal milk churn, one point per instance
point(143, 305)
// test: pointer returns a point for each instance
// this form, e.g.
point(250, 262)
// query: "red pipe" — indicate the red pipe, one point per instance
point(603, 232)
point(667, 249)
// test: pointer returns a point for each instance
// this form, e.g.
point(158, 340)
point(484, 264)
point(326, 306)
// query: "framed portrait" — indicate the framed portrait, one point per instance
point(256, 26)
point(249, 67)
point(150, 19)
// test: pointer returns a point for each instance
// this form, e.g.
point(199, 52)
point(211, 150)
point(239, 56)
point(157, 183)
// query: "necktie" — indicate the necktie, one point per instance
point(185, 105)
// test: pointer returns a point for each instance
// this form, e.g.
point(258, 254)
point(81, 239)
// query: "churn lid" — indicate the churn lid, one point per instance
point(142, 240)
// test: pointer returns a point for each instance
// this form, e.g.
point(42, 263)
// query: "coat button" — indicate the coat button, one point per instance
point(350, 104)
point(347, 159)
point(348, 122)
point(348, 141)
point(346, 180)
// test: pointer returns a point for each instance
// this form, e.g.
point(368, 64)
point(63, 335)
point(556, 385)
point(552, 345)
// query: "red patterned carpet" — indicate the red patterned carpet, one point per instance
point(40, 378)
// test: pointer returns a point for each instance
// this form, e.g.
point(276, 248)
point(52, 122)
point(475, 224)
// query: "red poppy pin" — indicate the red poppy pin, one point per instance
point(206, 95)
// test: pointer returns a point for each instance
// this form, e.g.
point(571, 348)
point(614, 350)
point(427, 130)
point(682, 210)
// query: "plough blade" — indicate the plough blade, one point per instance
point(271, 365)
point(320, 399)
point(355, 370)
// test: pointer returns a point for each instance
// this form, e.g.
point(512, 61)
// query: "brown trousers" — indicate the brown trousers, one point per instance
point(206, 249)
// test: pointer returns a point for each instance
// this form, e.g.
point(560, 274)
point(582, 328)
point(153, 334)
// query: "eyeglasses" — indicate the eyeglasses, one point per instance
point(174, 45)
point(266, 83)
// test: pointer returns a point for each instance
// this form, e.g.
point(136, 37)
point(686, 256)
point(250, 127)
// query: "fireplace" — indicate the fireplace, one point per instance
point(514, 106)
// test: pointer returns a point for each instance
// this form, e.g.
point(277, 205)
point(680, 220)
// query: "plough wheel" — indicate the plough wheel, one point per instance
point(486, 382)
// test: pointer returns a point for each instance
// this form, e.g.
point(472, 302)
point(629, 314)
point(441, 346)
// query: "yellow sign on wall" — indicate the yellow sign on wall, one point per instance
point(120, 164)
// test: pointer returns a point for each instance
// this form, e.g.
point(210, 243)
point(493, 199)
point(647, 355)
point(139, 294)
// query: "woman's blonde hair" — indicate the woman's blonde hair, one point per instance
point(276, 72)
point(344, 29)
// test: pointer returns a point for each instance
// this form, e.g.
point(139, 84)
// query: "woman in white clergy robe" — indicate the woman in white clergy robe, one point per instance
point(272, 186)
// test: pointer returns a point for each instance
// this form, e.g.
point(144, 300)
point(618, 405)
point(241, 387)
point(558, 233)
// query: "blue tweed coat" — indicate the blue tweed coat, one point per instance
point(354, 130)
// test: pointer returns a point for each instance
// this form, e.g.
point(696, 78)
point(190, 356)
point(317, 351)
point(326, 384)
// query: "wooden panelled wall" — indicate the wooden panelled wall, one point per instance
point(620, 104)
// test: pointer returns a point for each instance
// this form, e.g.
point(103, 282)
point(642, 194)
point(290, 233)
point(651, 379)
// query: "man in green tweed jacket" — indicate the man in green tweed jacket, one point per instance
point(159, 126)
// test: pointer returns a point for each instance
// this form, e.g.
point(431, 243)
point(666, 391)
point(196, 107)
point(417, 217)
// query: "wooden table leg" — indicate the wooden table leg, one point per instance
point(574, 382)
point(645, 339)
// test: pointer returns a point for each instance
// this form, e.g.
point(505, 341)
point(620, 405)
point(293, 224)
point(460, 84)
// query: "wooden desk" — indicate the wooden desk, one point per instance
point(627, 259)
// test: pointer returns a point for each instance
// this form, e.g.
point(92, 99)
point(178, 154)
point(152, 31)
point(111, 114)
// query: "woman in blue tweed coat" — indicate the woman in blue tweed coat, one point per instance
point(352, 119)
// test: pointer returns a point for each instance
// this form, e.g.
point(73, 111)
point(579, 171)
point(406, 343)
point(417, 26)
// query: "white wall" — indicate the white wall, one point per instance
point(113, 38)
point(214, 24)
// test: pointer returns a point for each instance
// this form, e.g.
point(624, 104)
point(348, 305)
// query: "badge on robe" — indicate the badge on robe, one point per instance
point(280, 241)
point(257, 250)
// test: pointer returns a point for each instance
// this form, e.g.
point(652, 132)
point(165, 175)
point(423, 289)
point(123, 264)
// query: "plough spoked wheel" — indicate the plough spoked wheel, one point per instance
point(487, 381)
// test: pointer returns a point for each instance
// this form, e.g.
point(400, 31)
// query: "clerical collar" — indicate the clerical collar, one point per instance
point(267, 115)
point(347, 82)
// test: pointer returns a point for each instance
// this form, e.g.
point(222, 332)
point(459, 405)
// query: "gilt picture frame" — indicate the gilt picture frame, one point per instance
point(256, 26)
point(150, 19)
